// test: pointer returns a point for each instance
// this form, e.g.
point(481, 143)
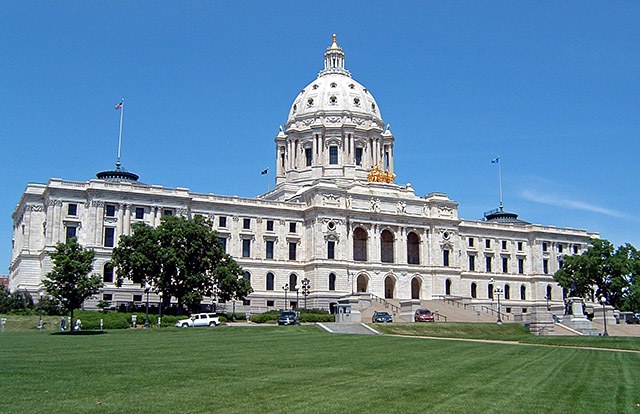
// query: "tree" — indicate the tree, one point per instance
point(181, 258)
point(5, 300)
point(70, 281)
point(603, 268)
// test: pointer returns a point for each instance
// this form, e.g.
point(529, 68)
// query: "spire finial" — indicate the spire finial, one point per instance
point(335, 37)
point(334, 59)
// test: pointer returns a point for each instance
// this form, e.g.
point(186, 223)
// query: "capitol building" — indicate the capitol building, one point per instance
point(335, 217)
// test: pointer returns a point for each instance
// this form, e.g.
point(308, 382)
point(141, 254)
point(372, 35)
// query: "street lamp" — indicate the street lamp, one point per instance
point(147, 288)
point(285, 288)
point(160, 309)
point(41, 295)
point(603, 300)
point(306, 287)
point(498, 292)
point(297, 288)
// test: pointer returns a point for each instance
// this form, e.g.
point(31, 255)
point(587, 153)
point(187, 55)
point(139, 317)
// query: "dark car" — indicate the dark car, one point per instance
point(288, 318)
point(424, 315)
point(632, 320)
point(381, 317)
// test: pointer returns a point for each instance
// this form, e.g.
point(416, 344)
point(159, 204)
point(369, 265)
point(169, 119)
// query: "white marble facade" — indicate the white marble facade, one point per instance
point(325, 220)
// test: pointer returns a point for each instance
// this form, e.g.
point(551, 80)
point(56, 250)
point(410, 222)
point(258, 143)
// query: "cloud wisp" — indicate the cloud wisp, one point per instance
point(553, 200)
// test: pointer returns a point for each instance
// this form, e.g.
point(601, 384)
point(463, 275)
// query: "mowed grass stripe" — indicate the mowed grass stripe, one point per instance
point(301, 369)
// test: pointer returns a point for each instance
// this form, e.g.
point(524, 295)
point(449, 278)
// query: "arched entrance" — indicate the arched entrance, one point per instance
point(362, 283)
point(389, 287)
point(416, 286)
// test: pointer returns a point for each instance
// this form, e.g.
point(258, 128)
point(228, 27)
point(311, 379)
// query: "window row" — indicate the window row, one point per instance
point(387, 246)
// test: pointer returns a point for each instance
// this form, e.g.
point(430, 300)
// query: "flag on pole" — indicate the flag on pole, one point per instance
point(118, 106)
point(263, 172)
point(495, 160)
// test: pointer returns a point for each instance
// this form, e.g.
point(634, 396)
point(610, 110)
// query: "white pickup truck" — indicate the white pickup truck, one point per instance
point(199, 319)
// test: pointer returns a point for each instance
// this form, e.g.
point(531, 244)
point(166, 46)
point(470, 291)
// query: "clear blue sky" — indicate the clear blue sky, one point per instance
point(551, 87)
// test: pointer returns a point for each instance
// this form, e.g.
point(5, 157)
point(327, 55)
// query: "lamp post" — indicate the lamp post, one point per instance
point(285, 288)
point(603, 300)
point(306, 287)
point(147, 288)
point(41, 295)
point(297, 288)
point(498, 292)
point(160, 309)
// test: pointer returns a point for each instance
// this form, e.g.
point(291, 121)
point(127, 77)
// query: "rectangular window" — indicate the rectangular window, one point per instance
point(270, 303)
point(445, 257)
point(246, 248)
point(110, 210)
point(471, 241)
point(505, 265)
point(331, 250)
point(246, 302)
point(333, 155)
point(308, 155)
point(269, 249)
point(72, 209)
point(107, 297)
point(358, 156)
point(560, 248)
point(504, 245)
point(521, 266)
point(292, 227)
point(544, 246)
point(560, 264)
point(487, 244)
point(167, 212)
point(222, 221)
point(109, 236)
point(472, 263)
point(488, 263)
point(71, 233)
point(246, 223)
point(520, 246)
point(223, 243)
point(545, 266)
point(292, 250)
point(269, 225)
point(139, 213)
point(575, 249)
point(137, 298)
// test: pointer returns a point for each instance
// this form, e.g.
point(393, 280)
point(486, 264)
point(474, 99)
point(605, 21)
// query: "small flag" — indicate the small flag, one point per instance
point(263, 172)
point(495, 160)
point(118, 106)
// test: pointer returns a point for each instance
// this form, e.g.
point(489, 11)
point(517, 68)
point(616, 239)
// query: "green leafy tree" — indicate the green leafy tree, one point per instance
point(5, 300)
point(602, 268)
point(21, 301)
point(70, 281)
point(182, 258)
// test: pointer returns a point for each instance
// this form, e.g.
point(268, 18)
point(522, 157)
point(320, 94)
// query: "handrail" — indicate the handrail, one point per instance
point(439, 315)
point(493, 312)
point(395, 309)
point(456, 303)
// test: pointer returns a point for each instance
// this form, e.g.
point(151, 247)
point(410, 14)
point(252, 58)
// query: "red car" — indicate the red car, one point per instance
point(424, 315)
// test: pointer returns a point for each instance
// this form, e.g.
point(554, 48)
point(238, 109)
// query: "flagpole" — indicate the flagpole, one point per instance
point(267, 177)
point(500, 181)
point(118, 164)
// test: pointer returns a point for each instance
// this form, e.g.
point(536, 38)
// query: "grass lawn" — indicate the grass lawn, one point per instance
point(269, 369)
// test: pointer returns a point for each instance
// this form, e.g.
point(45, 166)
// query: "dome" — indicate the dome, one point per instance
point(334, 92)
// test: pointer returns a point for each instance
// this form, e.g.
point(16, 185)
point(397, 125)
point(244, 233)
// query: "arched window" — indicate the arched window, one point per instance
point(507, 292)
point(447, 287)
point(474, 290)
point(332, 281)
point(270, 281)
point(413, 248)
point(247, 277)
point(293, 281)
point(416, 285)
point(360, 245)
point(362, 283)
point(389, 287)
point(490, 291)
point(549, 292)
point(523, 292)
point(107, 273)
point(386, 246)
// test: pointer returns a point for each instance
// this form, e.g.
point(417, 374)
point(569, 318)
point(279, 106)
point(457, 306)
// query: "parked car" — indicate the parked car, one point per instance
point(199, 319)
point(288, 318)
point(633, 319)
point(424, 315)
point(381, 317)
